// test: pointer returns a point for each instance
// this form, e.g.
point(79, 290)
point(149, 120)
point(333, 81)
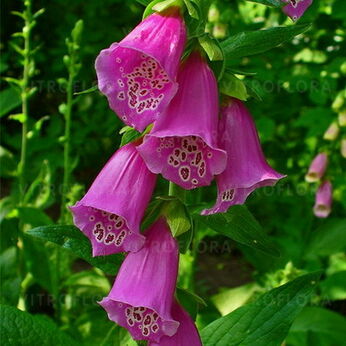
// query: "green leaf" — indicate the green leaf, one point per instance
point(191, 9)
point(21, 328)
point(144, 2)
point(265, 322)
point(9, 100)
point(211, 47)
point(322, 322)
point(240, 225)
point(177, 217)
point(328, 239)
point(129, 135)
point(272, 3)
point(232, 86)
point(77, 31)
point(71, 238)
point(254, 42)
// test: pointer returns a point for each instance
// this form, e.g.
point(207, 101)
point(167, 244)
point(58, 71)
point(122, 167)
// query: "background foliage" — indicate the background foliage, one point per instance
point(295, 92)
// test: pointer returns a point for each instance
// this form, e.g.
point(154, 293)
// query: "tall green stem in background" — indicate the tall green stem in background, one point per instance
point(26, 91)
point(73, 67)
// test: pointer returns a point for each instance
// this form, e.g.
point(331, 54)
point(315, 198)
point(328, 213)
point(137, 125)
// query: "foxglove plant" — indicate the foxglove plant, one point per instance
point(182, 146)
point(143, 292)
point(138, 74)
point(317, 168)
point(296, 8)
point(111, 211)
point(247, 168)
point(323, 200)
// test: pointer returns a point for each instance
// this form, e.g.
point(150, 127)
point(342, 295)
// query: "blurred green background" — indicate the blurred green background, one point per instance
point(300, 89)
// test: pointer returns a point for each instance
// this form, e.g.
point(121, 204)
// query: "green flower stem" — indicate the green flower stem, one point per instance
point(25, 99)
point(176, 191)
point(67, 140)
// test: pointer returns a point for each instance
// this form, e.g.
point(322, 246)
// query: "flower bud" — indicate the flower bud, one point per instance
point(332, 132)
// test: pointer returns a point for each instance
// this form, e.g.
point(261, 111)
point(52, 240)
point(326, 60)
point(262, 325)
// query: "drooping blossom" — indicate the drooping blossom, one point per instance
point(317, 168)
point(143, 292)
point(183, 143)
point(111, 211)
point(342, 119)
point(247, 168)
point(187, 334)
point(296, 8)
point(138, 74)
point(332, 132)
point(323, 200)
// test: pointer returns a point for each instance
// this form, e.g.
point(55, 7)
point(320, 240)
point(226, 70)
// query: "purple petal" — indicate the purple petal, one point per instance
point(142, 294)
point(324, 199)
point(247, 168)
point(138, 74)
point(111, 211)
point(296, 8)
point(182, 145)
point(187, 334)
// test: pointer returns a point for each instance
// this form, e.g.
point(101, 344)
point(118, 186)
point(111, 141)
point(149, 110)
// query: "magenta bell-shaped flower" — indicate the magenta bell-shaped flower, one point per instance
point(187, 334)
point(317, 168)
point(247, 168)
point(323, 201)
point(183, 143)
point(296, 8)
point(111, 211)
point(138, 74)
point(142, 295)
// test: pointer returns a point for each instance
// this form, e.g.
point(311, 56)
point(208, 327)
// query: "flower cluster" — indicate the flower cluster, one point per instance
point(146, 82)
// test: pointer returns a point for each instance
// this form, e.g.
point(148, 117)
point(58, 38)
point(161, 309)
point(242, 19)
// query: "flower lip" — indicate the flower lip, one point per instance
point(185, 160)
point(108, 232)
point(141, 321)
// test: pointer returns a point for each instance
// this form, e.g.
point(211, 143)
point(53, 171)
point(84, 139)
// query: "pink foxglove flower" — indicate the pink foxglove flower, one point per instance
point(187, 334)
point(183, 143)
point(296, 8)
point(323, 201)
point(247, 168)
point(138, 74)
point(142, 295)
point(111, 211)
point(317, 168)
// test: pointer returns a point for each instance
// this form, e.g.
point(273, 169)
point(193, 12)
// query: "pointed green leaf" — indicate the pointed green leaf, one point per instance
point(230, 85)
point(71, 238)
point(264, 322)
point(211, 47)
point(254, 42)
point(273, 3)
point(240, 225)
